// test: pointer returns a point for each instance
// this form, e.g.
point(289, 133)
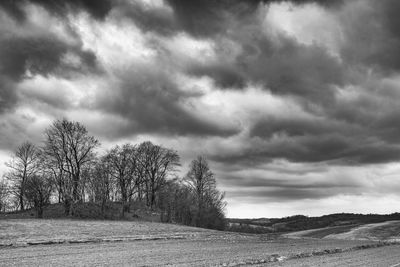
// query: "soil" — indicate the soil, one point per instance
point(113, 243)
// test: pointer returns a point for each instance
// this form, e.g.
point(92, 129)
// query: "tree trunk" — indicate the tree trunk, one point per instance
point(153, 198)
point(67, 206)
point(122, 210)
point(39, 211)
point(199, 218)
point(103, 207)
point(125, 205)
point(21, 201)
point(139, 193)
point(60, 190)
point(75, 191)
point(22, 192)
point(147, 194)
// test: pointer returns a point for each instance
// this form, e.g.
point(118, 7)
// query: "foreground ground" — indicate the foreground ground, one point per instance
point(113, 243)
point(193, 253)
point(374, 257)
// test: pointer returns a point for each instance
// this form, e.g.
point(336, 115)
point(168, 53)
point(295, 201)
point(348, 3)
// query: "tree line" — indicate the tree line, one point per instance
point(66, 169)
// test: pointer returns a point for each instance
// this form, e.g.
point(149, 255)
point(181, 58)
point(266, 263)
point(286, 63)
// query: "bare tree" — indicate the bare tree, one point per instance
point(69, 144)
point(23, 165)
point(4, 192)
point(101, 184)
point(54, 168)
point(200, 179)
point(141, 177)
point(209, 200)
point(157, 164)
point(38, 190)
point(122, 166)
point(176, 202)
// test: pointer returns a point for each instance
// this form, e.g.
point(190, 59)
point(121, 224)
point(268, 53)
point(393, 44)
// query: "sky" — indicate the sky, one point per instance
point(296, 104)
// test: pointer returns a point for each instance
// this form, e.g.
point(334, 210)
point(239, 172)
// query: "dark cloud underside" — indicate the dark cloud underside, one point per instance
point(43, 55)
point(97, 8)
point(39, 55)
point(210, 17)
point(360, 128)
point(152, 103)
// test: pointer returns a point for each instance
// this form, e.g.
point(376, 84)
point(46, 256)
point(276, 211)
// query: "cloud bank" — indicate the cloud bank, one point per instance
point(292, 101)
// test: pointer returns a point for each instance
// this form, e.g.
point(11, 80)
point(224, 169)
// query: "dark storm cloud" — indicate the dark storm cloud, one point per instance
point(362, 113)
point(306, 71)
point(288, 69)
point(8, 96)
point(295, 180)
point(296, 149)
point(388, 127)
point(14, 131)
point(278, 62)
point(40, 55)
point(97, 8)
point(224, 75)
point(281, 194)
point(332, 148)
point(25, 56)
point(327, 3)
point(14, 8)
point(391, 18)
point(211, 17)
point(157, 20)
point(201, 18)
point(152, 103)
point(300, 127)
point(373, 35)
point(359, 130)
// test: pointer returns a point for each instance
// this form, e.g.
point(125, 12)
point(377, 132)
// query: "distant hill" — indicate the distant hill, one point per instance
point(301, 222)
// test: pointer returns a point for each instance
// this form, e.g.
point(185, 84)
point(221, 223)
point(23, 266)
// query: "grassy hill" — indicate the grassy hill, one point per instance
point(49, 231)
point(90, 210)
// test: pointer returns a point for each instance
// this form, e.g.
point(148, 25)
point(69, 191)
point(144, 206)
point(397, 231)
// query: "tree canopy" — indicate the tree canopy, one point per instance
point(68, 169)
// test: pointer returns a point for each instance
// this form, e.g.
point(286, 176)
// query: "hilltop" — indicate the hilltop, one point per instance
point(91, 210)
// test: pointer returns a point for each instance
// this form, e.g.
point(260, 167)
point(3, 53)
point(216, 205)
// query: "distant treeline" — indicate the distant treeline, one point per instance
point(301, 222)
point(66, 169)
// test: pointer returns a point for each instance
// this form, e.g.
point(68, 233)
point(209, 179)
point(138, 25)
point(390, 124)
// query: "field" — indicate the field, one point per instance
point(61, 242)
point(384, 256)
point(384, 231)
